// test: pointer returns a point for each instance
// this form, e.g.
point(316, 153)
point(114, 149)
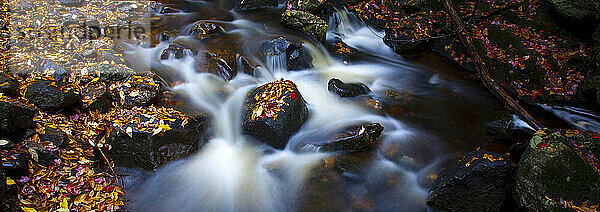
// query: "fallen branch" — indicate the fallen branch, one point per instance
point(484, 74)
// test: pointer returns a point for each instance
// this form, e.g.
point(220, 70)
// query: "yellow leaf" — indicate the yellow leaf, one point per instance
point(9, 181)
point(26, 209)
point(95, 79)
point(64, 204)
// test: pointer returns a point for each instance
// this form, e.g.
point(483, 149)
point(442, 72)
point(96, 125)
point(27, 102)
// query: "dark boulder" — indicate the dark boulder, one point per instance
point(354, 139)
point(246, 65)
point(257, 4)
point(342, 51)
point(559, 170)
point(480, 181)
point(109, 73)
point(296, 57)
point(9, 86)
point(203, 29)
point(273, 112)
point(305, 22)
point(15, 116)
point(220, 62)
point(57, 137)
point(347, 89)
point(136, 91)
point(178, 47)
point(406, 38)
point(513, 132)
point(96, 97)
point(51, 96)
point(151, 137)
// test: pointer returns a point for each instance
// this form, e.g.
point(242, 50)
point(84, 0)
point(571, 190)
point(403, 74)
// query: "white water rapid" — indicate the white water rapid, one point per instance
point(231, 174)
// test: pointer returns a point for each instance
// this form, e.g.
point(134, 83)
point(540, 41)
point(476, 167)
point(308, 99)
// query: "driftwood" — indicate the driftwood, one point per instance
point(484, 74)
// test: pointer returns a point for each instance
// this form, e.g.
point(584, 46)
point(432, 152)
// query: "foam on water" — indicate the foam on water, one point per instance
point(232, 174)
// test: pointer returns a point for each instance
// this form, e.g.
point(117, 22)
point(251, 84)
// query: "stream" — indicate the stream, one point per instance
point(444, 117)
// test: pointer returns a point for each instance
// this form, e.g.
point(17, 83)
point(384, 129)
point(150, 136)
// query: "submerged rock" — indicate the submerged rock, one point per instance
point(150, 138)
point(347, 89)
point(296, 57)
point(273, 112)
point(15, 116)
point(559, 170)
point(480, 181)
point(305, 22)
point(49, 96)
point(50, 68)
point(9, 86)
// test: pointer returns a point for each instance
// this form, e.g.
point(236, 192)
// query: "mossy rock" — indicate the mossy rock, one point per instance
point(558, 167)
point(576, 9)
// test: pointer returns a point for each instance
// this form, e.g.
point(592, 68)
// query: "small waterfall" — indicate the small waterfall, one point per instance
point(231, 174)
point(277, 63)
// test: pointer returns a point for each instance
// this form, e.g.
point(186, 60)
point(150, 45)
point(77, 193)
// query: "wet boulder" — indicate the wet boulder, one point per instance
point(305, 22)
point(151, 137)
point(347, 89)
point(405, 38)
point(257, 4)
point(9, 86)
point(354, 139)
point(15, 116)
point(96, 97)
point(245, 65)
point(480, 181)
point(220, 62)
point(559, 170)
point(273, 112)
point(203, 29)
point(178, 47)
point(138, 90)
point(51, 96)
point(296, 57)
point(342, 51)
point(512, 131)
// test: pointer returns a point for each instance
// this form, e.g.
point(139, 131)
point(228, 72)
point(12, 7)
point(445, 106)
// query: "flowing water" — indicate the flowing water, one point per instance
point(230, 173)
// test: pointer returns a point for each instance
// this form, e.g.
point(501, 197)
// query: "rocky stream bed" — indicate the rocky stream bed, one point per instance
point(301, 105)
